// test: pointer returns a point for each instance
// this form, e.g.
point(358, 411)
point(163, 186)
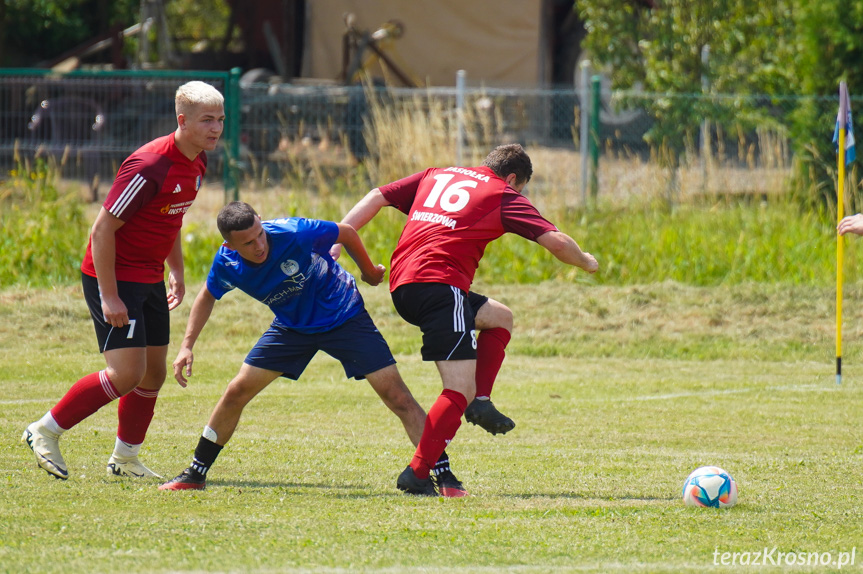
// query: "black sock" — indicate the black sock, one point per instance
point(442, 464)
point(205, 456)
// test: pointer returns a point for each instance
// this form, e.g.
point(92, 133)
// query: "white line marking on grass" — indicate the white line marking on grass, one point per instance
point(584, 567)
point(23, 401)
point(667, 396)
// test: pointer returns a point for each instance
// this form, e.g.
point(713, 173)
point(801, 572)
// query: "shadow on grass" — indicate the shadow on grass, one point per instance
point(273, 484)
point(359, 491)
point(534, 495)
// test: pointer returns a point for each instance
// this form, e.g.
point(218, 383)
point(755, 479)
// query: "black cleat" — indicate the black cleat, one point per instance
point(484, 414)
point(186, 480)
point(449, 486)
point(410, 484)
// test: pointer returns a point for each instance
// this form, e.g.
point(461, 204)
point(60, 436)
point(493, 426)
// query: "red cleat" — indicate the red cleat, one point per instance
point(187, 480)
point(449, 486)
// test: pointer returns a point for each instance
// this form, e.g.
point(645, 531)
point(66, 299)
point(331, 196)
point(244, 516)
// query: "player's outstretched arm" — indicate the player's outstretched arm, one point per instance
point(176, 275)
point(365, 209)
point(851, 224)
point(198, 316)
point(567, 250)
point(371, 273)
point(360, 214)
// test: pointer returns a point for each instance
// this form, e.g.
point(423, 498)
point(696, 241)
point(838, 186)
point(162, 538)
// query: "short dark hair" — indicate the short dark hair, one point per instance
point(510, 158)
point(236, 216)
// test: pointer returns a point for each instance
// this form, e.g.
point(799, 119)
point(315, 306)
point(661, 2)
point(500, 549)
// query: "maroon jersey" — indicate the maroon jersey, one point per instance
point(453, 213)
point(154, 188)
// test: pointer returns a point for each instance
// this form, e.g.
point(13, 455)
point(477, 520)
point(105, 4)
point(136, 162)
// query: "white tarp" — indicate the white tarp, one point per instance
point(498, 42)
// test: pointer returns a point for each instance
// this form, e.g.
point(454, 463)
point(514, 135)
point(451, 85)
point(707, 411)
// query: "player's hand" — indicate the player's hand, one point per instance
point(184, 360)
point(336, 251)
point(851, 224)
point(115, 312)
point(176, 291)
point(376, 277)
point(590, 264)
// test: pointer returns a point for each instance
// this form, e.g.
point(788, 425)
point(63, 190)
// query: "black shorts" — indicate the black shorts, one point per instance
point(446, 316)
point(149, 318)
point(356, 343)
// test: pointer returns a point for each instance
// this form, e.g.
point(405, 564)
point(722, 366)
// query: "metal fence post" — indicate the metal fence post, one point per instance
point(232, 136)
point(705, 125)
point(595, 87)
point(583, 97)
point(459, 105)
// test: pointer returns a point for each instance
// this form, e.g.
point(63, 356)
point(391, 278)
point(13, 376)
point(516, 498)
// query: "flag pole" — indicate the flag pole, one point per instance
point(840, 251)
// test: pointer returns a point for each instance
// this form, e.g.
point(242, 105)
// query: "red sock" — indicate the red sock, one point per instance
point(135, 411)
point(442, 422)
point(87, 396)
point(490, 352)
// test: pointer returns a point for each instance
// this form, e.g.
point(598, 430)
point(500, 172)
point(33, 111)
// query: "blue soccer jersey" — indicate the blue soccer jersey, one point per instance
point(299, 281)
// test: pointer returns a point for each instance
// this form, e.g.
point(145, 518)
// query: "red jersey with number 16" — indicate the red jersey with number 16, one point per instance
point(453, 213)
point(154, 188)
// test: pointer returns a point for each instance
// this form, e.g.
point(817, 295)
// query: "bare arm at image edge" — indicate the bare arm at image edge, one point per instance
point(851, 224)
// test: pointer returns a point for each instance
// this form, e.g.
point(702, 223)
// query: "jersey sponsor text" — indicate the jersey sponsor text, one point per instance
point(433, 218)
point(175, 208)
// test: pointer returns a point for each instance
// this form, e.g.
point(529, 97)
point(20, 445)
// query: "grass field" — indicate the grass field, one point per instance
point(618, 393)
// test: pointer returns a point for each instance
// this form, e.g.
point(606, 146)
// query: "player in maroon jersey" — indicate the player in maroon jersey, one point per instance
point(453, 213)
point(123, 275)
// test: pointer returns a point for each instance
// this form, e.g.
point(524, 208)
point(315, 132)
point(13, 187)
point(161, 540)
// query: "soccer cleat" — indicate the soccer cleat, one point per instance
point(449, 486)
point(186, 480)
point(410, 484)
point(129, 467)
point(484, 414)
point(46, 446)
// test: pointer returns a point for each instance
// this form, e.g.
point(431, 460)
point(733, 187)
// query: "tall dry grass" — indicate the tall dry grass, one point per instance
point(746, 229)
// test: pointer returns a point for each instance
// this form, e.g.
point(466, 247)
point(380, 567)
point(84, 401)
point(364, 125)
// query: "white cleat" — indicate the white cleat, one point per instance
point(130, 467)
point(46, 446)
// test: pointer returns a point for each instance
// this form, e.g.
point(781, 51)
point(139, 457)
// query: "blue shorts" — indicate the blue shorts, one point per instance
point(356, 343)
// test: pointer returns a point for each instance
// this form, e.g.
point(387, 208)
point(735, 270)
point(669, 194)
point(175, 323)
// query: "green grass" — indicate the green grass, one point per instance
point(728, 242)
point(696, 243)
point(618, 393)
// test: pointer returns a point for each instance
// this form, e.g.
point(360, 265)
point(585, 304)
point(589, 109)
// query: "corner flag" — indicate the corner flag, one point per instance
point(843, 121)
point(843, 137)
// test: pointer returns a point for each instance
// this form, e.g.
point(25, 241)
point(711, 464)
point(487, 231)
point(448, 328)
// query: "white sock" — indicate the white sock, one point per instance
point(125, 449)
point(50, 424)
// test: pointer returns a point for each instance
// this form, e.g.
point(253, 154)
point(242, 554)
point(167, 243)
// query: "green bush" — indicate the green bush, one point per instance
point(729, 242)
point(45, 230)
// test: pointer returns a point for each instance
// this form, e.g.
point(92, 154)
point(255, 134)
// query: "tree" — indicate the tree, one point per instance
point(35, 30)
point(751, 45)
point(32, 31)
point(767, 53)
point(830, 50)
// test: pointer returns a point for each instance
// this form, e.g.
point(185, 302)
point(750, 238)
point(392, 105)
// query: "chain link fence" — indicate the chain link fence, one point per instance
point(680, 144)
point(85, 124)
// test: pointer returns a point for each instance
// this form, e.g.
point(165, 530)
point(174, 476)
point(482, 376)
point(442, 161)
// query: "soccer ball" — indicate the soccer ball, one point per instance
point(710, 486)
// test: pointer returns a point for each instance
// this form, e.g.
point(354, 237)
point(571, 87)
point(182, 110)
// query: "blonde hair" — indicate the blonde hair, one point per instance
point(196, 93)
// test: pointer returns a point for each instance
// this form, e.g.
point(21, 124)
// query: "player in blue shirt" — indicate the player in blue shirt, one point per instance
point(285, 264)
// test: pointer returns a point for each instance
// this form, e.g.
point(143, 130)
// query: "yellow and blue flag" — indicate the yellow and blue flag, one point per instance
point(843, 120)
